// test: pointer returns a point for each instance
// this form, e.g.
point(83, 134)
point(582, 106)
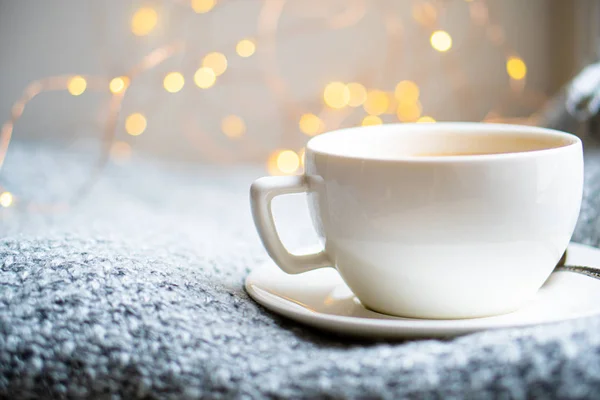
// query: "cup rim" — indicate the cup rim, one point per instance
point(574, 141)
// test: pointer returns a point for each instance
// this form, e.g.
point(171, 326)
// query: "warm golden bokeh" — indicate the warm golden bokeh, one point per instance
point(135, 124)
point(204, 77)
point(233, 126)
point(302, 156)
point(377, 102)
point(120, 152)
point(336, 95)
point(6, 199)
point(77, 85)
point(311, 124)
point(288, 162)
point(245, 47)
point(283, 162)
point(407, 92)
point(358, 94)
point(426, 119)
point(516, 68)
point(215, 61)
point(173, 82)
point(441, 41)
point(144, 21)
point(371, 120)
point(392, 104)
point(202, 6)
point(118, 84)
point(409, 112)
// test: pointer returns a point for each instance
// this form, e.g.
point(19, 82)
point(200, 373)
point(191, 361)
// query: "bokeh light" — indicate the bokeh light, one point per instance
point(441, 41)
point(336, 95)
point(120, 152)
point(358, 94)
point(215, 61)
point(144, 21)
point(202, 6)
point(377, 102)
point(392, 104)
point(118, 84)
point(283, 162)
point(370, 120)
point(302, 156)
point(425, 119)
point(288, 161)
point(407, 92)
point(135, 124)
point(409, 112)
point(311, 124)
point(173, 82)
point(516, 68)
point(233, 126)
point(6, 199)
point(77, 85)
point(245, 47)
point(204, 77)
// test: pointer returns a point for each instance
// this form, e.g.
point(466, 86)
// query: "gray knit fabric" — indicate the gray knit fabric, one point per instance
point(137, 292)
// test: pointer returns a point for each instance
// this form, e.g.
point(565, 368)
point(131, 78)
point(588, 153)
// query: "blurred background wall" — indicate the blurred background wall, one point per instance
point(417, 60)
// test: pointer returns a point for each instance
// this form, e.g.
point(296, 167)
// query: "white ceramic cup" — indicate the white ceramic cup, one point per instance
point(444, 220)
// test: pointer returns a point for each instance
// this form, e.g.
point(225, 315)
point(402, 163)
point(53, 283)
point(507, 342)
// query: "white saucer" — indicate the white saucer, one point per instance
point(321, 299)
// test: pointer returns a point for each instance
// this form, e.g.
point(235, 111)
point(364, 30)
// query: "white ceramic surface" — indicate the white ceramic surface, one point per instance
point(435, 237)
point(321, 299)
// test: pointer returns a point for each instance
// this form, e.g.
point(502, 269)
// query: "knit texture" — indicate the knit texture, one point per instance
point(137, 292)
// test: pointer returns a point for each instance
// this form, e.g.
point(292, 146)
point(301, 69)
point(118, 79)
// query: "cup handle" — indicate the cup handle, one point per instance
point(262, 192)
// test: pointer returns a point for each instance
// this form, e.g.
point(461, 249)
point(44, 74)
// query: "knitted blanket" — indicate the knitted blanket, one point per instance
point(137, 292)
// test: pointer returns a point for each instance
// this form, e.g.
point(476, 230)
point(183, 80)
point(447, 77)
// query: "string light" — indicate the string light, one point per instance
point(441, 41)
point(404, 101)
point(407, 92)
point(233, 126)
point(215, 61)
point(77, 85)
point(516, 68)
point(370, 120)
point(120, 152)
point(144, 21)
point(377, 102)
point(17, 109)
point(204, 77)
point(135, 124)
point(336, 95)
point(426, 119)
point(118, 84)
point(409, 112)
point(173, 82)
point(6, 199)
point(202, 6)
point(358, 94)
point(245, 48)
point(54, 83)
point(311, 125)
